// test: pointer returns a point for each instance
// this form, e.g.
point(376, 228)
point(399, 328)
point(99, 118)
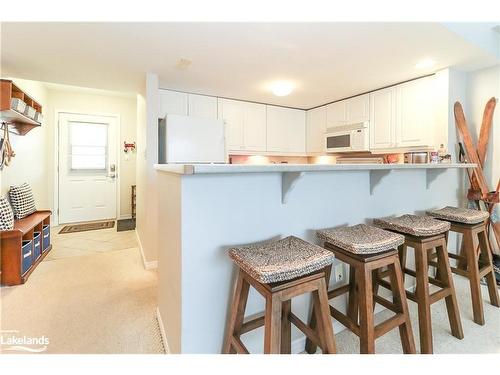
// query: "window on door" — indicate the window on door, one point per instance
point(88, 147)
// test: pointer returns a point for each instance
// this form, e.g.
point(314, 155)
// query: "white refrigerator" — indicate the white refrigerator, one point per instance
point(183, 139)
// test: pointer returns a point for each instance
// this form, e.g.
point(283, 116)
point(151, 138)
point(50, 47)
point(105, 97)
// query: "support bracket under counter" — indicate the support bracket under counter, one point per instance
point(376, 176)
point(288, 182)
point(431, 175)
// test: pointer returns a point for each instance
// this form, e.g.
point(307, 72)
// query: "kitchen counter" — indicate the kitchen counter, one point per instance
point(206, 209)
point(188, 169)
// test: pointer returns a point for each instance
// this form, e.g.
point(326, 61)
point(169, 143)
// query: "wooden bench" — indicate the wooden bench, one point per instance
point(11, 247)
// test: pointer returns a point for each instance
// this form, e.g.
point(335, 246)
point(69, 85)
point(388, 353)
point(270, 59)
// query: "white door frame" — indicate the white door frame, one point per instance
point(55, 214)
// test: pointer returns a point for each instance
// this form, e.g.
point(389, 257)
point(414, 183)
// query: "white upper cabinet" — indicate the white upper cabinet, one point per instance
point(415, 113)
point(254, 126)
point(286, 130)
point(173, 103)
point(245, 125)
point(336, 114)
point(315, 130)
point(231, 111)
point(382, 118)
point(402, 116)
point(202, 106)
point(349, 111)
point(358, 109)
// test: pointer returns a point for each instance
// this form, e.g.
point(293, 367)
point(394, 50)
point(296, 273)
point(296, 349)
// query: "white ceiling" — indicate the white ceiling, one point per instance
point(328, 61)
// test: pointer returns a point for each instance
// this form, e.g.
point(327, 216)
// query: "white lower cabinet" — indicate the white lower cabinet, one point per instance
point(286, 130)
point(315, 130)
point(402, 116)
point(245, 125)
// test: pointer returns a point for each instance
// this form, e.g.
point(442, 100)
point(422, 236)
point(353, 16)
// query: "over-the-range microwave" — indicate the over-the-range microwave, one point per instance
point(347, 138)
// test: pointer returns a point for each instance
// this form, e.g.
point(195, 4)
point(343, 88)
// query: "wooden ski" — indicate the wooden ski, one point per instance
point(470, 150)
point(484, 134)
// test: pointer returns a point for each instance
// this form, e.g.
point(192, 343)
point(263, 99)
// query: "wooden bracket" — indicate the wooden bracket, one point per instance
point(431, 175)
point(288, 182)
point(377, 175)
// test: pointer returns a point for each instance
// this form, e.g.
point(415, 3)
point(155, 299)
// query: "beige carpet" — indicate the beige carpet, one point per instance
point(477, 339)
point(90, 295)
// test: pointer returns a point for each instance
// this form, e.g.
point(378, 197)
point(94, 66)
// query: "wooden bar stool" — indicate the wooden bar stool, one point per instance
point(367, 249)
point(424, 234)
point(471, 223)
point(279, 271)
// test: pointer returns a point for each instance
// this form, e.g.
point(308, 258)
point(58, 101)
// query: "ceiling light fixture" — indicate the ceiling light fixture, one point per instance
point(282, 88)
point(425, 63)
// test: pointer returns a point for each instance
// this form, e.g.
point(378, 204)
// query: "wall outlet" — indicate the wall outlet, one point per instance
point(339, 273)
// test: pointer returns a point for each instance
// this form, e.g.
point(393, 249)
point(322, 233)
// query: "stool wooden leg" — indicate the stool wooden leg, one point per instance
point(367, 333)
point(402, 259)
point(474, 278)
point(422, 294)
point(352, 305)
point(272, 332)
point(490, 276)
point(451, 300)
point(323, 308)
point(399, 298)
point(286, 328)
point(310, 346)
point(237, 313)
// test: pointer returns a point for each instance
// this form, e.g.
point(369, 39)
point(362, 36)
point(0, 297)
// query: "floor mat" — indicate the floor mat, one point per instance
point(125, 224)
point(88, 226)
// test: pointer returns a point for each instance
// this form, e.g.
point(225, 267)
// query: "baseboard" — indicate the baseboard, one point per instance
point(162, 330)
point(147, 265)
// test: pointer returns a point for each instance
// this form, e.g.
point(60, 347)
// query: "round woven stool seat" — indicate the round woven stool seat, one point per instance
point(420, 226)
point(281, 260)
point(459, 215)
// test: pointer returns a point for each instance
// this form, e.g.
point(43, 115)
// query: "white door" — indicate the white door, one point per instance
point(173, 103)
point(336, 114)
point(231, 111)
point(315, 129)
point(358, 109)
point(254, 127)
point(87, 167)
point(202, 106)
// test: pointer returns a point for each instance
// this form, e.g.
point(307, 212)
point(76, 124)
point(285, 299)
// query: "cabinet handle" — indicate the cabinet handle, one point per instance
point(27, 254)
point(46, 235)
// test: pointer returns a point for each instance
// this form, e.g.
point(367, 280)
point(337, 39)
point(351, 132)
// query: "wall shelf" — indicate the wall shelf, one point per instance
point(18, 122)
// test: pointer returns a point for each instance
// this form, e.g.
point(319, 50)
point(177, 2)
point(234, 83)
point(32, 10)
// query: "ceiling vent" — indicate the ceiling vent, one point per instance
point(183, 64)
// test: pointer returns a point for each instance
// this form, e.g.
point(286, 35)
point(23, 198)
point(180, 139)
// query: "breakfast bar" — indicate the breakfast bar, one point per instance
point(205, 209)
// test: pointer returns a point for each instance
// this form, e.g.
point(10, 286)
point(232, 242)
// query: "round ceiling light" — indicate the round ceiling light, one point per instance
point(282, 88)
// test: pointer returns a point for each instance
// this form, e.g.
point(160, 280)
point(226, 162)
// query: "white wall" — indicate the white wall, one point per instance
point(147, 197)
point(32, 151)
point(97, 102)
point(481, 86)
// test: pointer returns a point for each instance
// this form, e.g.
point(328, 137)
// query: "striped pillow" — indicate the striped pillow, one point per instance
point(22, 200)
point(6, 215)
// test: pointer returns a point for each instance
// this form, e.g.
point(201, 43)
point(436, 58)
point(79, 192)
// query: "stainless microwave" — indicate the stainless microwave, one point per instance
point(347, 138)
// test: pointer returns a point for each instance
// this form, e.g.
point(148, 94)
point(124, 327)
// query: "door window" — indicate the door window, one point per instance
point(88, 147)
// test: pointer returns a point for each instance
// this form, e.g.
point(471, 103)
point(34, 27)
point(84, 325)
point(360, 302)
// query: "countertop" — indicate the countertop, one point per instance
point(190, 169)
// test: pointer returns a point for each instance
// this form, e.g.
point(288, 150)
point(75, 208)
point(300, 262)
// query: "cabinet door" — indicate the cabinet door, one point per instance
point(173, 103)
point(415, 113)
point(336, 114)
point(315, 129)
point(358, 109)
point(296, 130)
point(231, 111)
point(202, 106)
point(254, 127)
point(277, 125)
point(382, 118)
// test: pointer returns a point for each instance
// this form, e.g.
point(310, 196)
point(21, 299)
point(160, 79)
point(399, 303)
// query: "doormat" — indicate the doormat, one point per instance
point(125, 224)
point(86, 227)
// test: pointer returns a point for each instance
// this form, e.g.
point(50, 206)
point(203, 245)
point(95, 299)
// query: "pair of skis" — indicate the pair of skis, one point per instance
point(479, 191)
